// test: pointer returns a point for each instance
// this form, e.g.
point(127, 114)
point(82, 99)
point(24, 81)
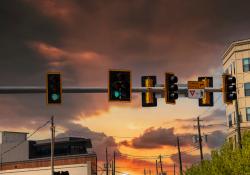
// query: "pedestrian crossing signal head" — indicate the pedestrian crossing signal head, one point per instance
point(54, 88)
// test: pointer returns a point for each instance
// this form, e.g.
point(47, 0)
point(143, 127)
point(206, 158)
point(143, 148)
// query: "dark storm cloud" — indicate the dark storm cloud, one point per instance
point(157, 138)
point(216, 139)
point(99, 140)
point(83, 39)
point(217, 115)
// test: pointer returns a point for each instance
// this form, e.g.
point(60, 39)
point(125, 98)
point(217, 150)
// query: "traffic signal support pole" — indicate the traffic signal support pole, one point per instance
point(238, 123)
point(41, 89)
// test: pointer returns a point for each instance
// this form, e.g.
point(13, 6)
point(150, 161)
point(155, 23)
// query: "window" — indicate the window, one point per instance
point(246, 64)
point(234, 67)
point(231, 69)
point(230, 123)
point(248, 114)
point(247, 89)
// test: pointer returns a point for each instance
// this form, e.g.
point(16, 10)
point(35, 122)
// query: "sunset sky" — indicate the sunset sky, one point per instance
point(83, 39)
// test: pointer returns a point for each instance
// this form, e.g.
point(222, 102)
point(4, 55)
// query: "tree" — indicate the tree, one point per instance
point(226, 161)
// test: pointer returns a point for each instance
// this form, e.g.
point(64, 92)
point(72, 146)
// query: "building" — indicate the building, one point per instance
point(20, 156)
point(236, 61)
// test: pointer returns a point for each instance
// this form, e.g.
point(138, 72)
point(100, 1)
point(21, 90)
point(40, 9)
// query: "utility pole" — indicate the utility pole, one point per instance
point(179, 153)
point(200, 138)
point(174, 168)
point(238, 118)
point(52, 144)
point(107, 166)
point(112, 167)
point(161, 164)
point(114, 163)
point(156, 167)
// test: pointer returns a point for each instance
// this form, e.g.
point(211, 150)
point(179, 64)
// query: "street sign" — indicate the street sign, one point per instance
point(196, 85)
point(196, 93)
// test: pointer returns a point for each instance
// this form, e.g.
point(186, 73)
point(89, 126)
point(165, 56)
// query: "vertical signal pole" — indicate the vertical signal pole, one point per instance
point(238, 123)
point(200, 138)
point(52, 144)
point(161, 165)
point(179, 153)
point(156, 166)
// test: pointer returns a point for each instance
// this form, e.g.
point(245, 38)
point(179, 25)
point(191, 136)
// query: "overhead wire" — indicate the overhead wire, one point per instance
point(20, 143)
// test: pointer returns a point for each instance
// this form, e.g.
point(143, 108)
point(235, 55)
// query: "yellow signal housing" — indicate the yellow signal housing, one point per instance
point(148, 98)
point(208, 99)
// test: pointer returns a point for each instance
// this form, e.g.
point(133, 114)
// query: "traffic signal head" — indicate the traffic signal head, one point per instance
point(54, 88)
point(208, 98)
point(119, 88)
point(148, 98)
point(229, 88)
point(171, 88)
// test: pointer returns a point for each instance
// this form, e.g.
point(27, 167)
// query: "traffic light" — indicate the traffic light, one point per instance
point(171, 88)
point(208, 98)
point(148, 98)
point(54, 88)
point(119, 88)
point(229, 88)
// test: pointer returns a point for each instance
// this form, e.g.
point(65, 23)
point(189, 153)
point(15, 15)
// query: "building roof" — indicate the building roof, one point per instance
point(14, 132)
point(66, 139)
point(235, 43)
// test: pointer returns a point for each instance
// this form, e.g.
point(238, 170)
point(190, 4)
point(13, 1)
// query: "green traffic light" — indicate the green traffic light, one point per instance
point(117, 94)
point(55, 97)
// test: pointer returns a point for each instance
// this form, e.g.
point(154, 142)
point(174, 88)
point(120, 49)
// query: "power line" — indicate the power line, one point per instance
point(20, 143)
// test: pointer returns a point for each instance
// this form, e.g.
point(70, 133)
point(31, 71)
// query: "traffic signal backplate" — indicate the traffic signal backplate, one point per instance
point(119, 87)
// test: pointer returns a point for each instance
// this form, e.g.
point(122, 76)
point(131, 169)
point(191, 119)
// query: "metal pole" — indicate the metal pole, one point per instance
point(112, 167)
point(200, 138)
point(156, 166)
point(52, 144)
point(41, 89)
point(238, 124)
point(179, 153)
point(161, 164)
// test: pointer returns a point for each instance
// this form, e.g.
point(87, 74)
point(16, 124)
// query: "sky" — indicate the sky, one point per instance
point(84, 39)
